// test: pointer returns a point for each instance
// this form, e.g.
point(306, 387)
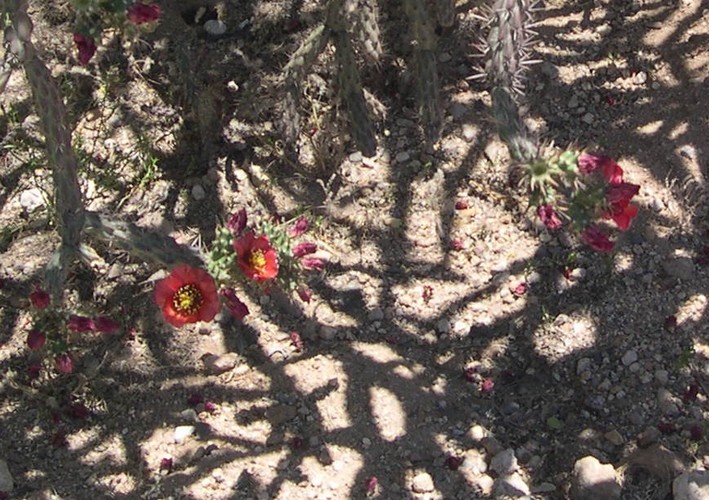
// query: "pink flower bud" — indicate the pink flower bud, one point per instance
point(549, 217)
point(305, 248)
point(140, 13)
point(236, 307)
point(104, 324)
point(64, 364)
point(80, 324)
point(313, 263)
point(305, 294)
point(237, 222)
point(300, 227)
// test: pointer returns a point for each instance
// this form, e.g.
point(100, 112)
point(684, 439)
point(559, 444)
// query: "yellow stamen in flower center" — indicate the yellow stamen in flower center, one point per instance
point(257, 260)
point(187, 299)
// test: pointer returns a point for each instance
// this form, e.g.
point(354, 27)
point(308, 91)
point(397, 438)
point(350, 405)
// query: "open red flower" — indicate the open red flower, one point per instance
point(622, 216)
point(140, 13)
point(187, 295)
point(256, 257)
point(549, 217)
point(589, 163)
point(597, 239)
point(86, 46)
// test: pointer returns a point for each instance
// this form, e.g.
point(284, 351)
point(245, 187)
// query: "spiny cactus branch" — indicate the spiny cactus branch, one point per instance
point(54, 123)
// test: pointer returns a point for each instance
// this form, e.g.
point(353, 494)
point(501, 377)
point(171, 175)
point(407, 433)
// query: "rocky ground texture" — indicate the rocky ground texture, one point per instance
point(449, 351)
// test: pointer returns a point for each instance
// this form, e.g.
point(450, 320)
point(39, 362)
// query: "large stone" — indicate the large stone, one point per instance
point(504, 462)
point(7, 484)
point(221, 364)
point(511, 485)
point(422, 483)
point(593, 480)
point(693, 485)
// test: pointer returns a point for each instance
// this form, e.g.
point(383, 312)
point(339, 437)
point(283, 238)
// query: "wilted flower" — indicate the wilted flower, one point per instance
point(597, 239)
point(461, 205)
point(520, 289)
point(236, 307)
point(104, 324)
point(666, 427)
point(86, 46)
point(371, 485)
point(299, 227)
point(78, 411)
point(454, 462)
point(304, 293)
point(296, 340)
point(139, 13)
point(304, 248)
point(187, 295)
point(209, 407)
point(166, 464)
point(487, 385)
point(237, 222)
point(34, 370)
point(313, 263)
point(80, 323)
point(456, 244)
point(549, 217)
point(256, 257)
point(296, 443)
point(63, 363)
point(39, 299)
point(36, 339)
point(611, 171)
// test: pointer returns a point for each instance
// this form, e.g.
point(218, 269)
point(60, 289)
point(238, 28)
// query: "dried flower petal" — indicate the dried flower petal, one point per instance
point(549, 217)
point(305, 294)
point(140, 13)
point(39, 299)
point(36, 339)
point(296, 340)
point(237, 222)
point(371, 485)
point(454, 462)
point(166, 464)
point(313, 263)
point(487, 385)
point(104, 324)
point(77, 323)
point(86, 46)
point(304, 248)
point(520, 289)
point(461, 205)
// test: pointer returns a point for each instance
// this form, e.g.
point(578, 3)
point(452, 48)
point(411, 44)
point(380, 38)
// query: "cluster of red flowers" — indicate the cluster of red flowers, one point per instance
point(137, 13)
point(613, 204)
point(190, 294)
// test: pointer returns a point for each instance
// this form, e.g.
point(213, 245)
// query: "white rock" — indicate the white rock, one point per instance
point(7, 484)
point(422, 483)
point(593, 480)
point(220, 364)
point(477, 433)
point(693, 485)
point(473, 463)
point(182, 432)
point(511, 485)
point(31, 199)
point(504, 462)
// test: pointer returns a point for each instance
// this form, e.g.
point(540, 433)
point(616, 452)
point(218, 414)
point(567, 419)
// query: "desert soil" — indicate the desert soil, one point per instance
point(420, 305)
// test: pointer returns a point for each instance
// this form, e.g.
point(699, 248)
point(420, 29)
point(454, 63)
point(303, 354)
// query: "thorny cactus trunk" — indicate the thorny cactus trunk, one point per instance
point(507, 43)
point(72, 218)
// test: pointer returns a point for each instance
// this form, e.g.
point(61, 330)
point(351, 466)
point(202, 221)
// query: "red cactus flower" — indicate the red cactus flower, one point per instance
point(623, 217)
point(36, 339)
point(549, 217)
point(237, 222)
point(80, 324)
point(139, 13)
point(620, 194)
point(104, 324)
point(256, 257)
point(39, 299)
point(300, 227)
point(86, 46)
point(187, 295)
point(305, 248)
point(305, 294)
point(313, 263)
point(597, 239)
point(236, 307)
point(64, 364)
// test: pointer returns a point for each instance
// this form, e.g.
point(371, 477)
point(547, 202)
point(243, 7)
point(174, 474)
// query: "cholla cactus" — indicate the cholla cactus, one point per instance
point(506, 49)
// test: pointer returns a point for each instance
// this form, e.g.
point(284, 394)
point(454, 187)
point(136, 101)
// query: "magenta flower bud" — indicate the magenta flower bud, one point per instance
point(236, 307)
point(86, 46)
point(300, 227)
point(104, 324)
point(313, 263)
point(549, 217)
point(64, 364)
point(305, 248)
point(36, 339)
point(39, 299)
point(80, 324)
point(237, 222)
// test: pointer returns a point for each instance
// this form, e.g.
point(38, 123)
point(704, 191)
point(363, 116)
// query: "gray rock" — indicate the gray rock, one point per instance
point(443, 326)
point(217, 365)
point(279, 414)
point(692, 485)
point(629, 357)
point(7, 483)
point(543, 488)
point(679, 267)
point(666, 403)
point(198, 192)
point(583, 365)
point(648, 437)
point(574, 101)
point(189, 415)
point(510, 485)
point(662, 376)
point(458, 110)
point(376, 315)
point(593, 480)
point(402, 157)
point(328, 332)
point(215, 27)
point(422, 483)
point(504, 462)
point(614, 437)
